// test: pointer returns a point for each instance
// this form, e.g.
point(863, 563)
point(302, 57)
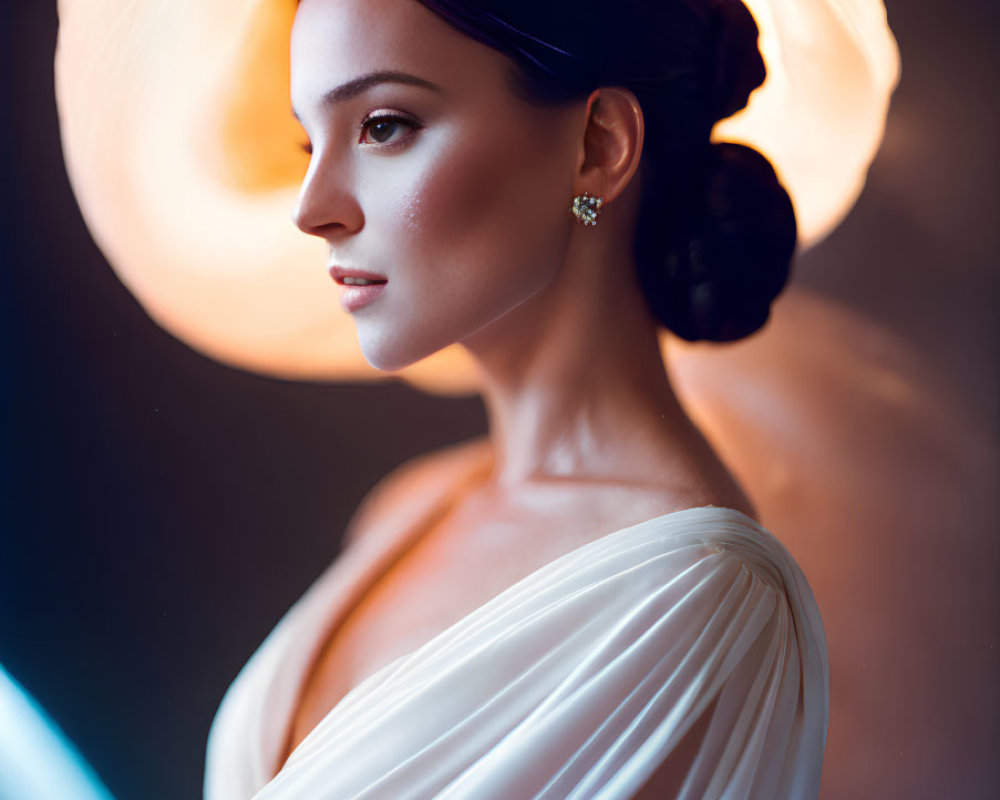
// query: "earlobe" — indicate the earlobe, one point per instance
point(612, 142)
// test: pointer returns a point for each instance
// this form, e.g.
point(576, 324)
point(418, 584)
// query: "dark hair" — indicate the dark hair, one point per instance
point(716, 230)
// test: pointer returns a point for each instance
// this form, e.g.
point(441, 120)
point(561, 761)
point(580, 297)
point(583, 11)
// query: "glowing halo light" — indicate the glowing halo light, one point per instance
point(185, 159)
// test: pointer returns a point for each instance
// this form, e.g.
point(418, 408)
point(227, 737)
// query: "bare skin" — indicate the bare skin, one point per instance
point(586, 435)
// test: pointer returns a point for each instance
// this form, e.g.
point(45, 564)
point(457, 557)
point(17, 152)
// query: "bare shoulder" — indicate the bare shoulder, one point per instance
point(411, 485)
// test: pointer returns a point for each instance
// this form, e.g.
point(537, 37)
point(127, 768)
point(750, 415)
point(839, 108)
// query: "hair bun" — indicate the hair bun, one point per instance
point(736, 67)
point(729, 256)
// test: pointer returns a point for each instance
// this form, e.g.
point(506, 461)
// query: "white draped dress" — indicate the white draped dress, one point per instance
point(578, 681)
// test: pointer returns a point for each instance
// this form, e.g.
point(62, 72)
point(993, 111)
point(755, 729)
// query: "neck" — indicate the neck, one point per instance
point(574, 381)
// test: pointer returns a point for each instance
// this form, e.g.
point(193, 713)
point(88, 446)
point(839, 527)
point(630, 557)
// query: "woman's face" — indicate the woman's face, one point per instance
point(443, 183)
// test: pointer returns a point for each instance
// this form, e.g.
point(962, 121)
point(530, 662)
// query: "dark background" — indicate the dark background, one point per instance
point(160, 511)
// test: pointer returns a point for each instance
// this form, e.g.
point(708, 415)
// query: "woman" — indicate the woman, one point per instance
point(581, 605)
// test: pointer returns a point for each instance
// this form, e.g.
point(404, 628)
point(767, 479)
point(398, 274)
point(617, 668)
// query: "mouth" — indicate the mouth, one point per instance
point(351, 281)
point(360, 287)
point(356, 277)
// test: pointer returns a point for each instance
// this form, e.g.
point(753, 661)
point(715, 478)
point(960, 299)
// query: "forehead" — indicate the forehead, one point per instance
point(335, 41)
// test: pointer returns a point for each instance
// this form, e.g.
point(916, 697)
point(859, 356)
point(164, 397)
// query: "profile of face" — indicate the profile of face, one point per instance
point(427, 171)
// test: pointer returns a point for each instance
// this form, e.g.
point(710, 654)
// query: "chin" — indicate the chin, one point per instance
point(389, 354)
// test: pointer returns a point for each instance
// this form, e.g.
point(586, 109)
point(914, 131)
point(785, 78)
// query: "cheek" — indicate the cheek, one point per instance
point(490, 207)
point(411, 212)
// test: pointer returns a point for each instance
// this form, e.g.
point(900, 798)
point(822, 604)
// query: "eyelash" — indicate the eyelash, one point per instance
point(371, 120)
point(396, 118)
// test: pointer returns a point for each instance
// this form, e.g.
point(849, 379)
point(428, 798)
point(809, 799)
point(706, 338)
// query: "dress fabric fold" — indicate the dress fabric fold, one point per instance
point(692, 633)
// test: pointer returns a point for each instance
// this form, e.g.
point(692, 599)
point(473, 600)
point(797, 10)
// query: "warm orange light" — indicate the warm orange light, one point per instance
point(820, 115)
point(184, 156)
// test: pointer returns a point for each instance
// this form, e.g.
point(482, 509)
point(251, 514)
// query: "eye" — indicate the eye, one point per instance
point(385, 128)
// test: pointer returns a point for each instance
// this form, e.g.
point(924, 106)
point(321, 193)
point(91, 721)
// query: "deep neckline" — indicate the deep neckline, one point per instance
point(400, 548)
point(397, 550)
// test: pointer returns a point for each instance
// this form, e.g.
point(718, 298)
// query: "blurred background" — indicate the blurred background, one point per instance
point(159, 512)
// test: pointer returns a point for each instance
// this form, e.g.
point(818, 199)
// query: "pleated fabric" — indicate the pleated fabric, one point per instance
point(577, 682)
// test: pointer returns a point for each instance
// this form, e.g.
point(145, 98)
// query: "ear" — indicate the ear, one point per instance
point(612, 142)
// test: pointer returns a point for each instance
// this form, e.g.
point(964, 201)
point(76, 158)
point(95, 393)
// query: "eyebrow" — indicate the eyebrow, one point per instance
point(353, 88)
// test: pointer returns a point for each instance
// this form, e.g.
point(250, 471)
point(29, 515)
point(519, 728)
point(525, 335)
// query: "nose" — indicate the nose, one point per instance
point(327, 205)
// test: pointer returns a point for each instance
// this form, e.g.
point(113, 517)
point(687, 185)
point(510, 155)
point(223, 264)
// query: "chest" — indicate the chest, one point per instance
point(450, 572)
point(463, 561)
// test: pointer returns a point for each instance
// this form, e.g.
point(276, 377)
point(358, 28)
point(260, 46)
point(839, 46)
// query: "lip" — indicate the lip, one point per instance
point(354, 297)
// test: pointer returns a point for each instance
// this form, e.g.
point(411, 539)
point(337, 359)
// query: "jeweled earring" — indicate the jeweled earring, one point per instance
point(586, 207)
